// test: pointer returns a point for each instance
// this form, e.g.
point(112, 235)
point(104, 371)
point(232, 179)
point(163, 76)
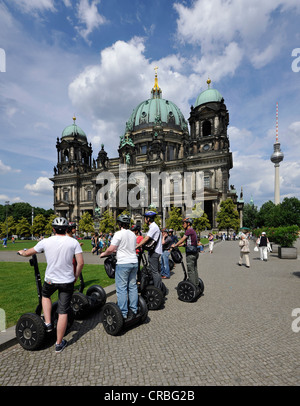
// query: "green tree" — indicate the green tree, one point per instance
point(175, 219)
point(201, 223)
point(250, 214)
point(228, 216)
point(23, 228)
point(39, 224)
point(289, 212)
point(107, 222)
point(86, 223)
point(49, 228)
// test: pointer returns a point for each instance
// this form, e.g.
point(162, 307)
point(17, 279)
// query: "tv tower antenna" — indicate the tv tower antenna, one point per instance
point(276, 158)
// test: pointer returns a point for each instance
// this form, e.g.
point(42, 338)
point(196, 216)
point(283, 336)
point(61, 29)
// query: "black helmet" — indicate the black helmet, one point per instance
point(135, 227)
point(188, 220)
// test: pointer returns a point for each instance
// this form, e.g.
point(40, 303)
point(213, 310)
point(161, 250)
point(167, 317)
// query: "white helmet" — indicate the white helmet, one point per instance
point(60, 222)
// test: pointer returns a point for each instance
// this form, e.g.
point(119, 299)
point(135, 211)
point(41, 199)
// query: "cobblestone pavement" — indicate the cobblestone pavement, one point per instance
point(238, 333)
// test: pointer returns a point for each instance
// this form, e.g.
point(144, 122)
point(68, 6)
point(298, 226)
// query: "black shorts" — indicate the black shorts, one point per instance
point(65, 292)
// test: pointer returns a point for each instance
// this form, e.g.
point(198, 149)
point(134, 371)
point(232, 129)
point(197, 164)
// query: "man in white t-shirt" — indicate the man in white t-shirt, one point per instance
point(154, 256)
point(124, 244)
point(59, 250)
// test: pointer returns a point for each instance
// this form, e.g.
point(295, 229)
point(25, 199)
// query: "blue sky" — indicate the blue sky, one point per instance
point(96, 59)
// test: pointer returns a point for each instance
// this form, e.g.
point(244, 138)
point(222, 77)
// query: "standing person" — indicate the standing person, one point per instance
point(166, 245)
point(124, 244)
point(137, 231)
point(262, 242)
point(244, 250)
point(174, 237)
point(59, 251)
point(210, 242)
point(154, 255)
point(96, 241)
point(191, 250)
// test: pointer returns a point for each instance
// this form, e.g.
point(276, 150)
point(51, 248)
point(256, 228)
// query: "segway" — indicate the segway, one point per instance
point(83, 304)
point(186, 290)
point(113, 321)
point(30, 328)
point(153, 295)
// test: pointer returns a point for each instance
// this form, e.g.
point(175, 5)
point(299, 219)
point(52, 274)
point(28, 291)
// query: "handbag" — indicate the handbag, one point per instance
point(151, 245)
point(256, 248)
point(269, 247)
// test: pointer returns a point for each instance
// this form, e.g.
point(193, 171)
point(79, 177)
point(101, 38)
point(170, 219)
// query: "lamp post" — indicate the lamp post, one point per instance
point(6, 204)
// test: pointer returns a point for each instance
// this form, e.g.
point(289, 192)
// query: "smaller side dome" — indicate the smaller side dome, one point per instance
point(209, 96)
point(73, 130)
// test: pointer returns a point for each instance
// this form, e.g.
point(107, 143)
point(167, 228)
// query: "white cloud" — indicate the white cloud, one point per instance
point(29, 6)
point(4, 169)
point(214, 25)
point(89, 16)
point(42, 186)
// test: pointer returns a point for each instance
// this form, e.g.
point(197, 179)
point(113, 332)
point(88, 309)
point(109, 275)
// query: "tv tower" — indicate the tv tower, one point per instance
point(276, 158)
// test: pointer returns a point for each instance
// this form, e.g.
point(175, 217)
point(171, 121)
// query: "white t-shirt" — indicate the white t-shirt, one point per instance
point(125, 240)
point(154, 233)
point(59, 252)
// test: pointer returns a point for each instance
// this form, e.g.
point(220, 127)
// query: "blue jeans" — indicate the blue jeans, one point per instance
point(165, 268)
point(126, 287)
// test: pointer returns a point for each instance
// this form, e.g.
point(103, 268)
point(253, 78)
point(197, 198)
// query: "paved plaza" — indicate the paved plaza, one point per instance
point(238, 333)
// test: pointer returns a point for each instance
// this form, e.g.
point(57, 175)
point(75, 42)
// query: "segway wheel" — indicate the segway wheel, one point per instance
point(201, 286)
point(97, 295)
point(142, 309)
point(153, 296)
point(112, 319)
point(186, 291)
point(80, 305)
point(54, 318)
point(30, 331)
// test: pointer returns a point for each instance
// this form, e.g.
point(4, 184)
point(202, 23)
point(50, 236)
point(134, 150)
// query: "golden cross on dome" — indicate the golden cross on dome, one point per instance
point(155, 70)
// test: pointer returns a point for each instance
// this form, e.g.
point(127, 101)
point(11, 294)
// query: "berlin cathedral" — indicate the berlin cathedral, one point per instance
point(156, 140)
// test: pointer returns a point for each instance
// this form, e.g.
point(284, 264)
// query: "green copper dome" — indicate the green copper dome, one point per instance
point(74, 130)
point(156, 111)
point(209, 96)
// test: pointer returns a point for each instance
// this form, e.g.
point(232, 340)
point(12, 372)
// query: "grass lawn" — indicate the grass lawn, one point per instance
point(18, 292)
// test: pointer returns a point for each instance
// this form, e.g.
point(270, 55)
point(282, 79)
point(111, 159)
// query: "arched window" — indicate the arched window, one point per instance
point(66, 155)
point(206, 128)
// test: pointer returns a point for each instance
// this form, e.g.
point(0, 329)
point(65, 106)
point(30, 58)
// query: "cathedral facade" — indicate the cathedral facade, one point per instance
point(159, 163)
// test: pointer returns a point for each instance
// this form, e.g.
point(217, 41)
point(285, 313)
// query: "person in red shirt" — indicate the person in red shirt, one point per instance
point(191, 251)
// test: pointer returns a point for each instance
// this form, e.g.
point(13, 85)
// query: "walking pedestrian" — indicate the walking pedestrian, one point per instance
point(263, 242)
point(244, 250)
point(59, 251)
point(210, 242)
point(166, 245)
point(124, 244)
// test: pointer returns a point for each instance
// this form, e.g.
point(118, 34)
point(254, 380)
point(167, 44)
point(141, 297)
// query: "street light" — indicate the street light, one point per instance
point(6, 203)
